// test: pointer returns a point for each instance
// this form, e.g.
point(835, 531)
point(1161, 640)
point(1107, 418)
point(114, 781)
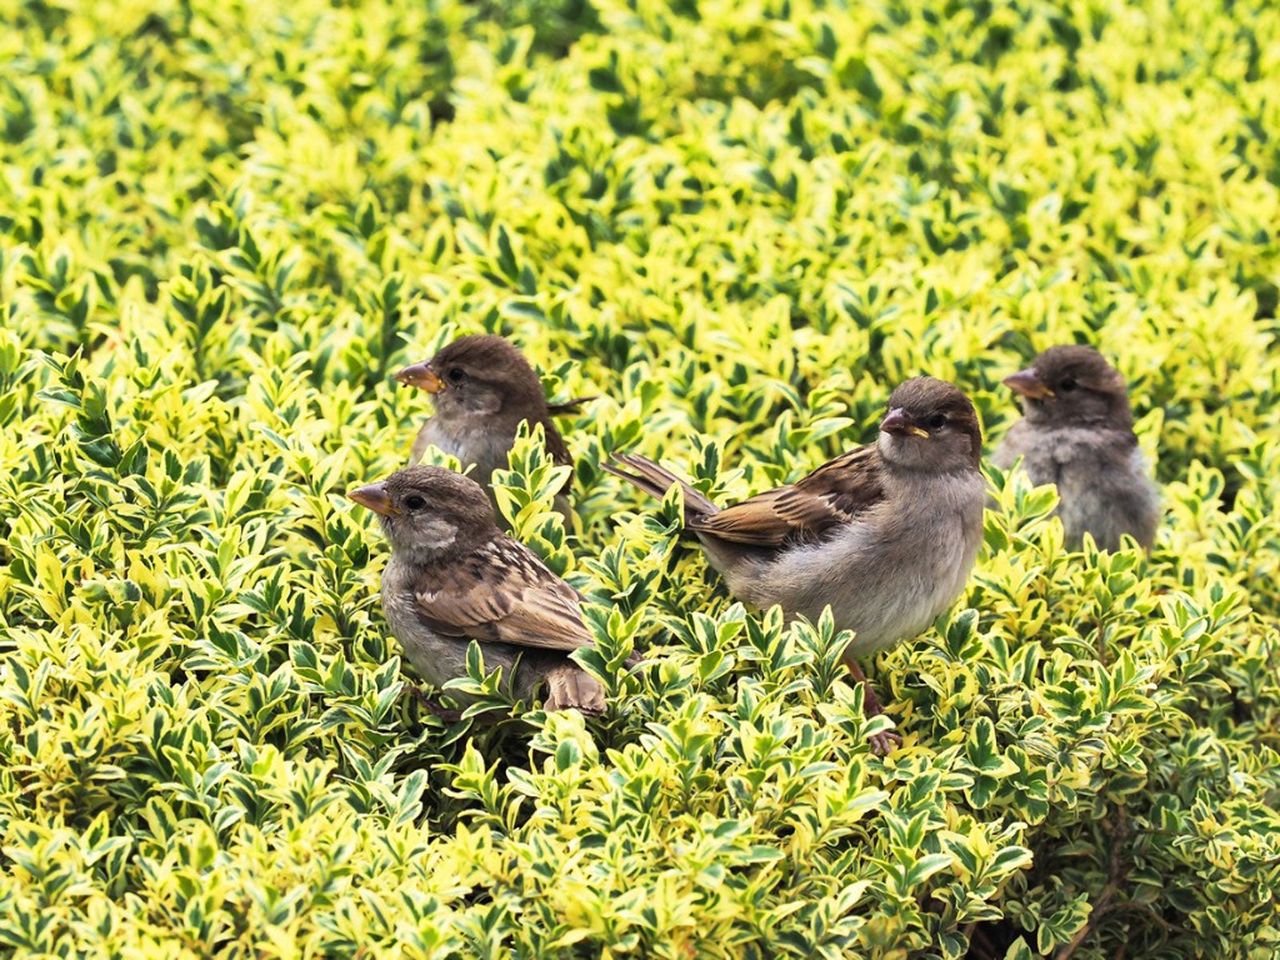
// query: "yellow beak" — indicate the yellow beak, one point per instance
point(1027, 383)
point(376, 498)
point(421, 375)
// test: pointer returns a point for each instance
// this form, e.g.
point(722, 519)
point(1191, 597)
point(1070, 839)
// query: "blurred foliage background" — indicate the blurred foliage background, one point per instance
point(223, 224)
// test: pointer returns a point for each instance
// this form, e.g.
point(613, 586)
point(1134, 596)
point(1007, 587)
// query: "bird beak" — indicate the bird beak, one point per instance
point(1027, 383)
point(421, 375)
point(899, 422)
point(376, 498)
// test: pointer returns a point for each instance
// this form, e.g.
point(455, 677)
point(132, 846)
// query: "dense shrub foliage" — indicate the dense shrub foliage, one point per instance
point(739, 223)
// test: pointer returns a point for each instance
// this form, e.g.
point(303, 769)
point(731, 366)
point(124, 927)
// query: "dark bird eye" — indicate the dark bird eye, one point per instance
point(936, 422)
point(456, 375)
point(1067, 385)
point(414, 502)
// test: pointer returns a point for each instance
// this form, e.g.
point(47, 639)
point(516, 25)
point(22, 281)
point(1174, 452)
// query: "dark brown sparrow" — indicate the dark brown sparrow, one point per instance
point(885, 534)
point(1077, 433)
point(454, 577)
point(483, 388)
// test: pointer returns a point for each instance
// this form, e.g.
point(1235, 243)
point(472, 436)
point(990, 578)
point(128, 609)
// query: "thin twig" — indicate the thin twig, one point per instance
point(978, 940)
point(1115, 874)
point(1151, 914)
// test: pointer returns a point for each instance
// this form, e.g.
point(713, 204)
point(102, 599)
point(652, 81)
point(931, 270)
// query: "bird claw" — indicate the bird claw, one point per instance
point(883, 744)
point(553, 705)
point(435, 707)
point(570, 687)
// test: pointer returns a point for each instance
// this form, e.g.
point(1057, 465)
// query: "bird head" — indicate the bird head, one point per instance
point(930, 425)
point(479, 375)
point(429, 513)
point(1072, 385)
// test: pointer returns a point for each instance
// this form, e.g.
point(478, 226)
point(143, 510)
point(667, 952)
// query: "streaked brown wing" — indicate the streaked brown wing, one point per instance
point(503, 593)
point(835, 493)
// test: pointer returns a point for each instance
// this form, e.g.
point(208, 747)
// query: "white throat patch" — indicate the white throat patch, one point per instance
point(437, 534)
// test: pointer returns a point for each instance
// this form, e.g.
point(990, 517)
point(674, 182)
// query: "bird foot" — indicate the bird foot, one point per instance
point(883, 744)
point(435, 707)
point(569, 687)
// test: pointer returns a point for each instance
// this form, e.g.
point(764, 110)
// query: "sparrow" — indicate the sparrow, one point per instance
point(483, 387)
point(885, 534)
point(1077, 433)
point(454, 577)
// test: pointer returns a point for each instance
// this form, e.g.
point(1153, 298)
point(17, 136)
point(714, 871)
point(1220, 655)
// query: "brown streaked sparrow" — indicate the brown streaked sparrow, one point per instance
point(454, 577)
point(885, 535)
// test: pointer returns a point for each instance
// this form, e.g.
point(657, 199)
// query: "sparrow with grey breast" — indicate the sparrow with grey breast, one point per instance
point(1077, 433)
point(483, 387)
point(885, 535)
point(454, 577)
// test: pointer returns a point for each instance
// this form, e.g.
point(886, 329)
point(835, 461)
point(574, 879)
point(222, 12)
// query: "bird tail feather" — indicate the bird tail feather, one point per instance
point(656, 481)
point(569, 406)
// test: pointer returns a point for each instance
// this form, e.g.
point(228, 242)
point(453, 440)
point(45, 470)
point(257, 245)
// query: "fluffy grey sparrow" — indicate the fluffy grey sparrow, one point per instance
point(454, 577)
point(483, 387)
point(1077, 433)
point(885, 534)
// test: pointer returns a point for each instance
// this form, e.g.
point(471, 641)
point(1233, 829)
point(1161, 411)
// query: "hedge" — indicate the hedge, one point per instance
point(223, 225)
